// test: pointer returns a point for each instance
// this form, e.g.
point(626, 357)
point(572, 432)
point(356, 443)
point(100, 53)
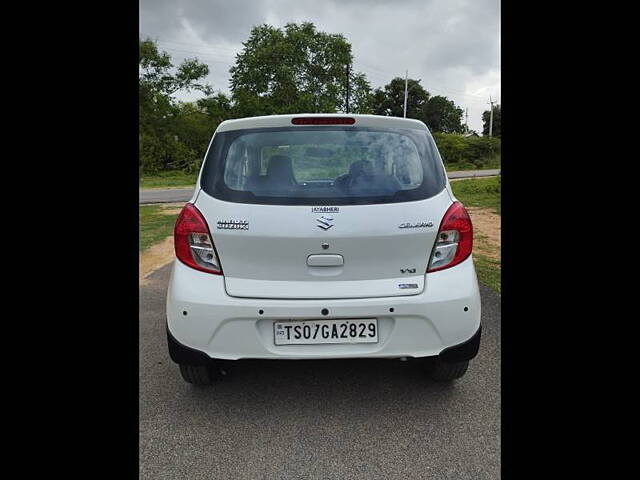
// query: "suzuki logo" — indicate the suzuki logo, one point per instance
point(323, 223)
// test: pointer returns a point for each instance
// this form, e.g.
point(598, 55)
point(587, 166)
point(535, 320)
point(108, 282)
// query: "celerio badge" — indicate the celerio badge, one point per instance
point(416, 225)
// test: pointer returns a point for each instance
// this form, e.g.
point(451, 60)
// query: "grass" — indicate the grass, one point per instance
point(488, 270)
point(479, 192)
point(483, 193)
point(487, 265)
point(491, 163)
point(155, 224)
point(168, 179)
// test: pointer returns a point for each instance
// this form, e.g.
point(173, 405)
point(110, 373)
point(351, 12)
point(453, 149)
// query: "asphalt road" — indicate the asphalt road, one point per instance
point(364, 419)
point(171, 195)
point(474, 173)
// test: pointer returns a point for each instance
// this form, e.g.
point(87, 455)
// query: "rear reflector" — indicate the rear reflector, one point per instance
point(323, 121)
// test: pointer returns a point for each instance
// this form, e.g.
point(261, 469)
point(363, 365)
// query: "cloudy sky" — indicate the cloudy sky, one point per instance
point(453, 46)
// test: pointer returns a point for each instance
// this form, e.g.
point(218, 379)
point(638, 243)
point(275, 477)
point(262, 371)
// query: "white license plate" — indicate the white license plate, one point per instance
point(311, 332)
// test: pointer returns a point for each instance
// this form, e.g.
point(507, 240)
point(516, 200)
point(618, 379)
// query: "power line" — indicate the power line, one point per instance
point(447, 91)
point(230, 52)
point(200, 52)
point(210, 59)
point(430, 84)
point(198, 45)
point(437, 91)
point(231, 57)
point(377, 75)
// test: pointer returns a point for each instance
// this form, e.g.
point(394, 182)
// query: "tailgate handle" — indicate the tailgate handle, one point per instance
point(325, 260)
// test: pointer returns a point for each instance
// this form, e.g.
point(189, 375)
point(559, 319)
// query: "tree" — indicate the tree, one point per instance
point(486, 117)
point(295, 69)
point(378, 99)
point(360, 96)
point(159, 113)
point(218, 107)
point(156, 72)
point(441, 115)
point(390, 101)
point(193, 128)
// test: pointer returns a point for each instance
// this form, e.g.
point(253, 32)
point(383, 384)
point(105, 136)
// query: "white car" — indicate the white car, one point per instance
point(321, 236)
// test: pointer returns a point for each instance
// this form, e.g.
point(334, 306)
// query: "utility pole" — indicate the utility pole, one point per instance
point(347, 88)
point(466, 119)
point(406, 76)
point(491, 118)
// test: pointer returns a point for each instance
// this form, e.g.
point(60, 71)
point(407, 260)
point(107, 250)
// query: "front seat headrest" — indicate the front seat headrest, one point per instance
point(361, 167)
point(280, 169)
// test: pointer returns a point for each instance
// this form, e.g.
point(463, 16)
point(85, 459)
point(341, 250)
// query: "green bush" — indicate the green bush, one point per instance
point(152, 153)
point(476, 152)
point(480, 149)
point(166, 153)
point(453, 148)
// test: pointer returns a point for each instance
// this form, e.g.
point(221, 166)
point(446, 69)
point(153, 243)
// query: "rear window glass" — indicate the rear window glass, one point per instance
point(320, 165)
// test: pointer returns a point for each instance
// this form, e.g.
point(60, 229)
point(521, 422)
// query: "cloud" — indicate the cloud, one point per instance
point(453, 46)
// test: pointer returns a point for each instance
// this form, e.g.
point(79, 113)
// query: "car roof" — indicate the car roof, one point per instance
point(270, 121)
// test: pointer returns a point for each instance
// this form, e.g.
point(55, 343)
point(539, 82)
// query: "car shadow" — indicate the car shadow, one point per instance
point(327, 386)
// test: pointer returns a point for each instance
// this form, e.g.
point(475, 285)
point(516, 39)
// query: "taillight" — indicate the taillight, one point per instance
point(193, 242)
point(454, 241)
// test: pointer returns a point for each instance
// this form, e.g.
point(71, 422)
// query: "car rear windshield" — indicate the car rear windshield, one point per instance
point(322, 165)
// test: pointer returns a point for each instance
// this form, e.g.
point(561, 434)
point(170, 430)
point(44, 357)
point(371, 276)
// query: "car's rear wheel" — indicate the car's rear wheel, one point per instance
point(198, 374)
point(447, 372)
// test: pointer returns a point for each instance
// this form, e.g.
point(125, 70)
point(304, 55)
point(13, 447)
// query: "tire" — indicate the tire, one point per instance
point(447, 372)
point(200, 375)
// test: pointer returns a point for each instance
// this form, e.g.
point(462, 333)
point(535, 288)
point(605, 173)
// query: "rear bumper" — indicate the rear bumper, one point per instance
point(182, 354)
point(217, 326)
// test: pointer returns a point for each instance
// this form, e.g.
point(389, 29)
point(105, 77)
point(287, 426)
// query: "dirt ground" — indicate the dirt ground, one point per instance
point(486, 231)
point(155, 257)
point(160, 254)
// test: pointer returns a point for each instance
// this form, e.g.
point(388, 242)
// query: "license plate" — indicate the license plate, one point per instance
point(311, 332)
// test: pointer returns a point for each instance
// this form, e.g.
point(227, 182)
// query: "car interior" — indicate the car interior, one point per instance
point(362, 178)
